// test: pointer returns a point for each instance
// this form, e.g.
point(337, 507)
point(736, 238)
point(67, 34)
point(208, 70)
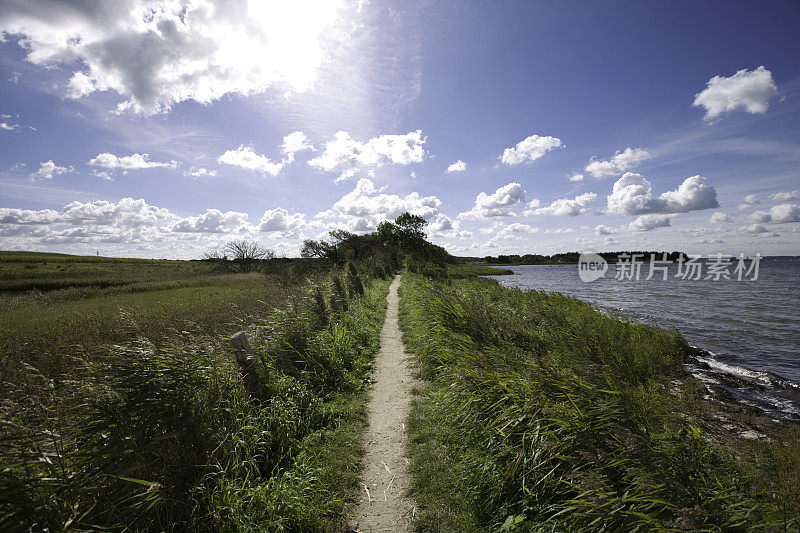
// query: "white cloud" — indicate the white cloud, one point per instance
point(749, 201)
point(132, 221)
point(293, 143)
point(7, 125)
point(778, 214)
point(458, 166)
point(600, 229)
point(27, 216)
point(785, 213)
point(125, 213)
point(649, 222)
point(563, 206)
point(285, 224)
point(497, 204)
point(748, 90)
point(157, 54)
point(48, 169)
point(444, 226)
point(515, 230)
point(620, 162)
point(198, 172)
point(754, 229)
point(212, 221)
point(760, 216)
point(366, 206)
point(246, 158)
point(785, 196)
point(347, 156)
point(576, 176)
point(530, 149)
point(128, 162)
point(720, 218)
point(632, 195)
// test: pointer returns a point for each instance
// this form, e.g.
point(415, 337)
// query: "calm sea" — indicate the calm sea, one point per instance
point(751, 328)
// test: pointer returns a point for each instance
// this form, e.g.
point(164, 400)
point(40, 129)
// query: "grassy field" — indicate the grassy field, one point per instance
point(123, 408)
point(105, 300)
point(540, 413)
point(25, 271)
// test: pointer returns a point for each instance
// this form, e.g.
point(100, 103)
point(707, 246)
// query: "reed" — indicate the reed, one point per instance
point(164, 436)
point(541, 413)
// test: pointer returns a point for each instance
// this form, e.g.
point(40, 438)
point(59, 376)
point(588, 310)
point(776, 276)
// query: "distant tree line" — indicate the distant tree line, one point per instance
point(571, 258)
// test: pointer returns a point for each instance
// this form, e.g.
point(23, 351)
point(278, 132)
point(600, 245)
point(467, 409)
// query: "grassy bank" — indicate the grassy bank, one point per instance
point(541, 414)
point(472, 271)
point(159, 432)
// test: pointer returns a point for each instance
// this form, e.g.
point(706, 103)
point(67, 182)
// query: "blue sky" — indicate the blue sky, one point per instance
point(167, 128)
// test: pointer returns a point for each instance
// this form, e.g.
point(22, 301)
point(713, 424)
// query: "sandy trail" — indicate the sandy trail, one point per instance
point(385, 503)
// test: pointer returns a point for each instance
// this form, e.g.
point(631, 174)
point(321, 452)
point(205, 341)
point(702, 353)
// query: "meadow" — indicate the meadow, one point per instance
point(540, 413)
point(72, 304)
point(123, 407)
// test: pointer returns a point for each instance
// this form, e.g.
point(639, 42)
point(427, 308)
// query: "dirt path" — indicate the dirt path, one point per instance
point(385, 504)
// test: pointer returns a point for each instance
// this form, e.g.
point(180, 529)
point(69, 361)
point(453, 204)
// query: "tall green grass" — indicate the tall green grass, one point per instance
point(543, 414)
point(472, 271)
point(146, 436)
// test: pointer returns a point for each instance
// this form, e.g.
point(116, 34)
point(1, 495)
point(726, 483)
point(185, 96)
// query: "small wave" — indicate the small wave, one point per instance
point(738, 371)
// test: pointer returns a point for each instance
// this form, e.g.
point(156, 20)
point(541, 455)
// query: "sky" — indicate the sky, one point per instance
point(166, 129)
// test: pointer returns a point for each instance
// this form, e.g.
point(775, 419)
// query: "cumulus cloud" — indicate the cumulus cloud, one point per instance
point(293, 143)
point(632, 195)
point(27, 216)
point(760, 216)
point(132, 221)
point(749, 201)
point(785, 196)
point(563, 206)
point(530, 149)
point(458, 166)
point(125, 213)
point(213, 221)
point(576, 176)
point(367, 205)
point(444, 226)
point(649, 222)
point(497, 204)
point(754, 229)
point(245, 157)
point(48, 169)
point(128, 162)
point(747, 90)
point(600, 229)
point(347, 156)
point(158, 53)
point(282, 223)
point(513, 231)
point(720, 218)
point(785, 213)
point(778, 214)
point(620, 162)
